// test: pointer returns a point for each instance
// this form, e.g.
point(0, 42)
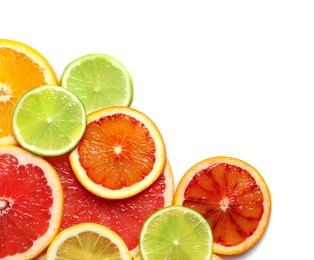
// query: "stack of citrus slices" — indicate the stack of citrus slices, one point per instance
point(85, 176)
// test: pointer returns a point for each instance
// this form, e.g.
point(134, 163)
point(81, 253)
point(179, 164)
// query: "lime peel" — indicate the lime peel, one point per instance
point(99, 80)
point(176, 232)
point(49, 120)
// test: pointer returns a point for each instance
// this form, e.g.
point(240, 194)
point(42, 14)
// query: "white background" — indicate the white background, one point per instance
point(217, 77)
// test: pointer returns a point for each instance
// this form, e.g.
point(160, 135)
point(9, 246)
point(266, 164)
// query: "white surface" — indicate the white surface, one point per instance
point(217, 77)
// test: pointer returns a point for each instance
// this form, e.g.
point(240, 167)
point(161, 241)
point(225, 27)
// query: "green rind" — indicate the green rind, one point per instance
point(49, 120)
point(99, 80)
point(176, 232)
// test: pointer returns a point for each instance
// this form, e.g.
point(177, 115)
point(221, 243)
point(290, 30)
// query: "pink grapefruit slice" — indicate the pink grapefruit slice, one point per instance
point(31, 203)
point(124, 216)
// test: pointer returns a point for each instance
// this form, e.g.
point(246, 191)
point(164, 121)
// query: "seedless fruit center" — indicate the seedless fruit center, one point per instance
point(224, 204)
point(5, 93)
point(5, 205)
point(117, 149)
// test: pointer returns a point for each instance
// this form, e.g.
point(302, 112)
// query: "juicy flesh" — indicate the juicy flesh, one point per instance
point(88, 245)
point(125, 216)
point(25, 203)
point(117, 151)
point(18, 74)
point(229, 198)
point(176, 234)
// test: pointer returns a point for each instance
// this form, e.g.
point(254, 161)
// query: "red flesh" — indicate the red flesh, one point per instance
point(229, 199)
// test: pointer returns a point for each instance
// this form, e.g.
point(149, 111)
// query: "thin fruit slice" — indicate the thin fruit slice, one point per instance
point(21, 69)
point(121, 153)
point(233, 197)
point(49, 120)
point(125, 216)
point(176, 232)
point(87, 241)
point(31, 203)
point(99, 80)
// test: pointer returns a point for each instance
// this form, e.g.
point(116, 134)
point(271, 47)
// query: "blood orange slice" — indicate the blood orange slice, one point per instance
point(232, 196)
point(31, 203)
point(121, 153)
point(124, 216)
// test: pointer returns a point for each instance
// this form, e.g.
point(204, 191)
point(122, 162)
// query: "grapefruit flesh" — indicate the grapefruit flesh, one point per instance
point(31, 203)
point(124, 216)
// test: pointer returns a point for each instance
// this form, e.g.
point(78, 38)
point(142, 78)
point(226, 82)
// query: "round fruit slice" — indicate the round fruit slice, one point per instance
point(232, 196)
point(87, 241)
point(49, 120)
point(31, 203)
point(21, 69)
point(176, 232)
point(121, 153)
point(125, 216)
point(99, 80)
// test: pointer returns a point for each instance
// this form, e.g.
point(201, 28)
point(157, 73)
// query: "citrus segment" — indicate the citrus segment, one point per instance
point(121, 153)
point(49, 120)
point(176, 232)
point(99, 80)
point(31, 203)
point(232, 196)
point(124, 216)
point(21, 69)
point(87, 241)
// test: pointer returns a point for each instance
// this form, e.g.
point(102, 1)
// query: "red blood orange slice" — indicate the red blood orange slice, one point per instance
point(232, 196)
point(121, 153)
point(124, 216)
point(31, 203)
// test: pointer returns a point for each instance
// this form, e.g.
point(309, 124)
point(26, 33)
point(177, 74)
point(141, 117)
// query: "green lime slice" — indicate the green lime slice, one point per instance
point(99, 81)
point(176, 232)
point(49, 120)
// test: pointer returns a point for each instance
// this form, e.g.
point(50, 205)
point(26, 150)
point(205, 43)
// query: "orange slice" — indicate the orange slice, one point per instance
point(121, 153)
point(31, 203)
point(124, 216)
point(21, 69)
point(233, 197)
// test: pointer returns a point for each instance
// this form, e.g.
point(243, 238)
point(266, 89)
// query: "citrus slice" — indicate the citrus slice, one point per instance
point(176, 232)
point(99, 80)
point(31, 203)
point(49, 120)
point(121, 153)
point(87, 241)
point(21, 69)
point(233, 197)
point(125, 216)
